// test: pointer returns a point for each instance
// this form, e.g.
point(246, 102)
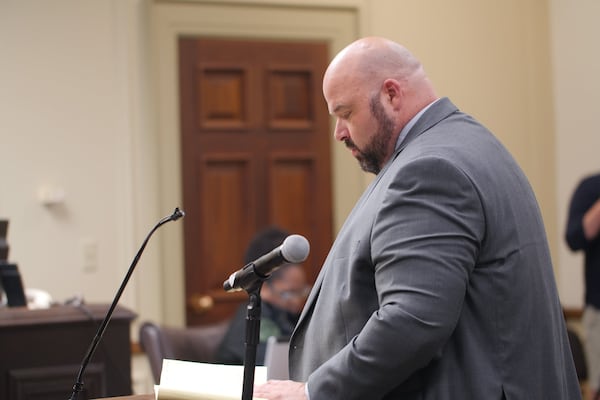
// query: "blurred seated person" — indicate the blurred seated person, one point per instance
point(283, 296)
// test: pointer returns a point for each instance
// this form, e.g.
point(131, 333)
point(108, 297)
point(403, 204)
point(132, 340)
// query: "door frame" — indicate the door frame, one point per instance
point(337, 22)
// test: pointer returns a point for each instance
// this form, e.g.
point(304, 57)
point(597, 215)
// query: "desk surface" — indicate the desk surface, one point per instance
point(134, 397)
point(62, 314)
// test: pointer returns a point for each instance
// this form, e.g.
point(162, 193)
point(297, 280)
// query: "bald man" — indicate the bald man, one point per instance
point(440, 284)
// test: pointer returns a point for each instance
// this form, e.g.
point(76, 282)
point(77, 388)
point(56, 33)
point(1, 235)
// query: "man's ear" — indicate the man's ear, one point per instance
point(392, 90)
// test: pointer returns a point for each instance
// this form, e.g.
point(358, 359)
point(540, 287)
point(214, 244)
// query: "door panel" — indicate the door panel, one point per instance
point(255, 152)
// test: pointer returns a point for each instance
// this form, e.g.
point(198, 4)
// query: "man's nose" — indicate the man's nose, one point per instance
point(341, 131)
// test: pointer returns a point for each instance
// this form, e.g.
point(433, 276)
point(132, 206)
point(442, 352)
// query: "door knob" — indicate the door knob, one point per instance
point(201, 303)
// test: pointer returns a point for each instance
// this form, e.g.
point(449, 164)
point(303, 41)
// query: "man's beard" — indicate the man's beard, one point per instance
point(375, 153)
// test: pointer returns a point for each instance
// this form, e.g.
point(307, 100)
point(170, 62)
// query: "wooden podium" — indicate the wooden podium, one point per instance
point(41, 352)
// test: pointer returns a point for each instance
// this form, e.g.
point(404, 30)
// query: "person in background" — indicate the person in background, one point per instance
point(282, 296)
point(582, 233)
point(439, 285)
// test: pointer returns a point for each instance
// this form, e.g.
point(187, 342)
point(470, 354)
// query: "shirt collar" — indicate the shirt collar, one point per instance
point(412, 123)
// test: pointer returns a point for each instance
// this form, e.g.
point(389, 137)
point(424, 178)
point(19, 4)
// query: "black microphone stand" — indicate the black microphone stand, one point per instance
point(78, 386)
point(253, 312)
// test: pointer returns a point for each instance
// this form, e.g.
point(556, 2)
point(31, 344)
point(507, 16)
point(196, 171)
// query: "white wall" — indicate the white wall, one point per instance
point(576, 61)
point(71, 106)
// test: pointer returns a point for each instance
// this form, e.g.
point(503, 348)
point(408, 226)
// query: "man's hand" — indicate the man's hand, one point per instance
point(281, 390)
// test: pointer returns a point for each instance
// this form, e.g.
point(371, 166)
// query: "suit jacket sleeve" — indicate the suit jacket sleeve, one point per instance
point(424, 243)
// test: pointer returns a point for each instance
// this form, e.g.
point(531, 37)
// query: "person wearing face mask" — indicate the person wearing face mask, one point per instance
point(282, 298)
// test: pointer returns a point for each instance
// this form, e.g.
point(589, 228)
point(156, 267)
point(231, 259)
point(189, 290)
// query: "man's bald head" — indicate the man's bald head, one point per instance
point(374, 87)
point(371, 60)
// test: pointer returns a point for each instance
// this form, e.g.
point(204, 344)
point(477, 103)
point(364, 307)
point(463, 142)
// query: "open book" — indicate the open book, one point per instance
point(186, 380)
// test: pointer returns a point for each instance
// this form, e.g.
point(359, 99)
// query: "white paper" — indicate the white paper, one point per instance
point(185, 380)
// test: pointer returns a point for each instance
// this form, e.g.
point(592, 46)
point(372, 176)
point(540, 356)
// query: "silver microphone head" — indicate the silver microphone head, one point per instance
point(295, 249)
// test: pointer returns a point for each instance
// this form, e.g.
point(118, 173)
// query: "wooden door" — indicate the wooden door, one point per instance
point(255, 152)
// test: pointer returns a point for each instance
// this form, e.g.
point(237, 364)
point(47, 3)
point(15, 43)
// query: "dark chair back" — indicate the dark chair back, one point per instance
point(189, 344)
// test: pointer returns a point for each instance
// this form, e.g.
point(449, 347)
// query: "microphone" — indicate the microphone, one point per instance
point(294, 249)
point(78, 386)
point(176, 215)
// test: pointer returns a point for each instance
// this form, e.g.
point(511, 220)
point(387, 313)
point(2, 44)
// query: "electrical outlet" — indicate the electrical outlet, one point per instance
point(89, 251)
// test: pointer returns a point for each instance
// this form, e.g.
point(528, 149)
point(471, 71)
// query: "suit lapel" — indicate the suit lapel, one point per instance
point(314, 293)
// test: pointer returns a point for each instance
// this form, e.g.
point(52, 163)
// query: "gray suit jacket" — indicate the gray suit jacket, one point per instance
point(440, 284)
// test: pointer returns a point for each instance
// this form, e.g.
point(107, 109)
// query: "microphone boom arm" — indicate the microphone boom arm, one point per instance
point(78, 386)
